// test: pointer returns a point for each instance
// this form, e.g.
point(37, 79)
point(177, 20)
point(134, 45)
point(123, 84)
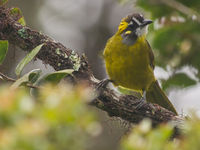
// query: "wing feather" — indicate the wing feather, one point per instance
point(151, 56)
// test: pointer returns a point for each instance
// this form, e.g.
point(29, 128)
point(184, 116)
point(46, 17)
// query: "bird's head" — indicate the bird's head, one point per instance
point(133, 26)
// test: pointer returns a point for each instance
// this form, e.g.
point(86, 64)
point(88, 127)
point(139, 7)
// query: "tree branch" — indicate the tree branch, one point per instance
point(60, 57)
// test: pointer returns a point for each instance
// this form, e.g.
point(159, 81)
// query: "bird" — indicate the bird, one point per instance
point(129, 60)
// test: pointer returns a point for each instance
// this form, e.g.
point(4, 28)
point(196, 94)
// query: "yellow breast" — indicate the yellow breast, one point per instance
point(128, 65)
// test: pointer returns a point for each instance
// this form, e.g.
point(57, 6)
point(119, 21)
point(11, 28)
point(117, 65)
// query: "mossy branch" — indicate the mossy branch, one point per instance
point(60, 57)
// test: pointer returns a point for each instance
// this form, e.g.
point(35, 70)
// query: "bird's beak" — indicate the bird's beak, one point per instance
point(146, 22)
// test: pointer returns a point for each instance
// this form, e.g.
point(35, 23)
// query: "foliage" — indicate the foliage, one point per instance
point(176, 35)
point(27, 59)
point(17, 14)
point(143, 137)
point(57, 119)
point(55, 77)
point(178, 79)
point(33, 76)
point(30, 77)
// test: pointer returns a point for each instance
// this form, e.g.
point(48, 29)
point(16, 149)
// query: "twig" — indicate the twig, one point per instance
point(6, 77)
point(13, 80)
point(32, 86)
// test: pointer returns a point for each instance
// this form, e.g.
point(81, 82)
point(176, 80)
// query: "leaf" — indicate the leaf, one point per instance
point(178, 80)
point(17, 13)
point(55, 77)
point(3, 50)
point(30, 77)
point(2, 2)
point(22, 21)
point(27, 59)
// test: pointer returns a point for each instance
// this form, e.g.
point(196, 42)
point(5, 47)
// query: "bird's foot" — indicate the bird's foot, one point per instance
point(141, 102)
point(103, 83)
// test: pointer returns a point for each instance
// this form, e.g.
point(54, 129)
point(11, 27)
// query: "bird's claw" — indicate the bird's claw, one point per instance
point(103, 83)
point(140, 103)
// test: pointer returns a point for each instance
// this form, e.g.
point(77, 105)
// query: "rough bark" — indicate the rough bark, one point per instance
point(60, 57)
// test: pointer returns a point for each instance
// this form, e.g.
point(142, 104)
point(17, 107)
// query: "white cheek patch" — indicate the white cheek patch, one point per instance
point(130, 23)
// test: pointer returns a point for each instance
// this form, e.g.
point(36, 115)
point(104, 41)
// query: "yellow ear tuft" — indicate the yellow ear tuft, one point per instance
point(122, 26)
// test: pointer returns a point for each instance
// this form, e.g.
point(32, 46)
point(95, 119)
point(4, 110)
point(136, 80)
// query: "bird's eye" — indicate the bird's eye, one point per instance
point(133, 24)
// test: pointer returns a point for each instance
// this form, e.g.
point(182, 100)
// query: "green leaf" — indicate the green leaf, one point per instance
point(27, 59)
point(178, 80)
point(30, 77)
point(3, 50)
point(33, 77)
point(22, 21)
point(17, 13)
point(55, 77)
point(2, 2)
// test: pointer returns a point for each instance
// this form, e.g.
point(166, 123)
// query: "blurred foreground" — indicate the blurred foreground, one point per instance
point(59, 118)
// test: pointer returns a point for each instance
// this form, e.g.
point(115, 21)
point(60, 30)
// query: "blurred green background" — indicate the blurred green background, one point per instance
point(85, 26)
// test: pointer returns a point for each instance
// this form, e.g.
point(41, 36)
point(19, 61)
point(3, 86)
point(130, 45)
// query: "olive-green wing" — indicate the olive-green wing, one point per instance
point(156, 95)
point(151, 56)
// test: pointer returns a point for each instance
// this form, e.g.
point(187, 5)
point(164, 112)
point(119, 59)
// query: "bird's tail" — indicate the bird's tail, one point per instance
point(156, 95)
